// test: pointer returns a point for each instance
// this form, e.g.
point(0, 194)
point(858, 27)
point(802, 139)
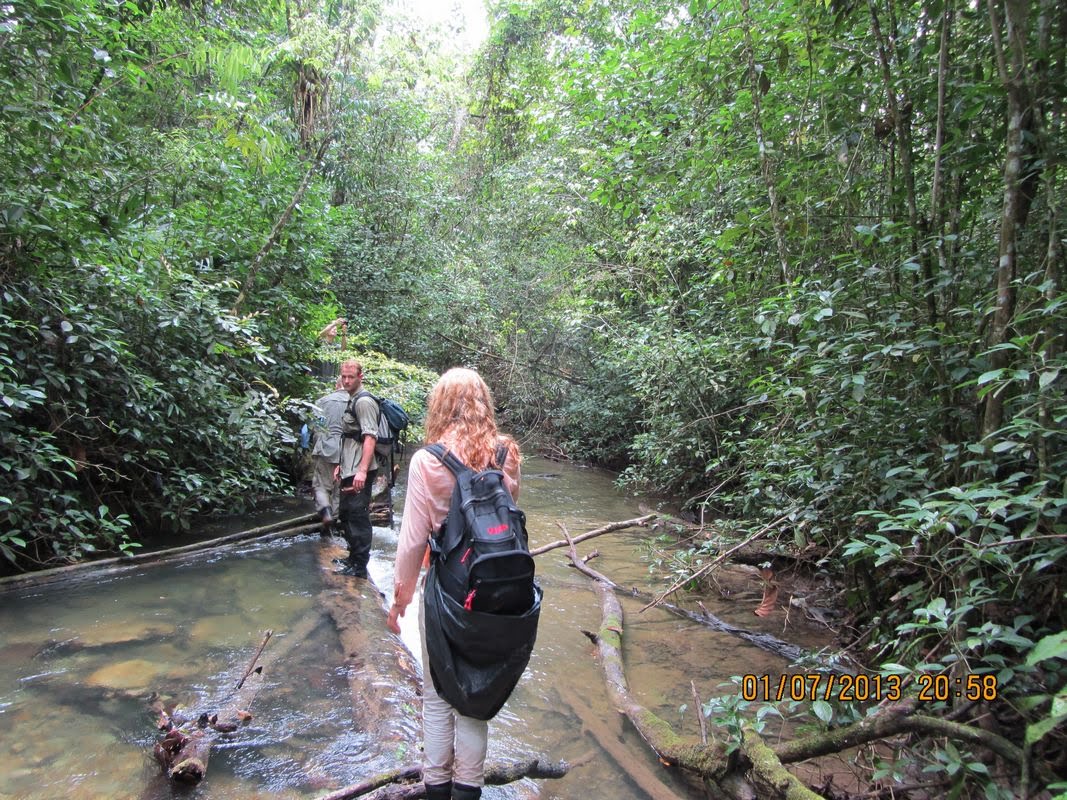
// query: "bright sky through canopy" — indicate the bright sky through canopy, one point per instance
point(468, 17)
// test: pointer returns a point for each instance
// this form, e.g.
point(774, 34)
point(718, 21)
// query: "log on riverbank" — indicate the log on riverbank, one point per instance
point(302, 524)
point(381, 509)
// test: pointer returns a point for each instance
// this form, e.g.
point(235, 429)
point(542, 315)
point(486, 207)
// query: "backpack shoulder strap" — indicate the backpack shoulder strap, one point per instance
point(445, 456)
point(365, 393)
point(448, 537)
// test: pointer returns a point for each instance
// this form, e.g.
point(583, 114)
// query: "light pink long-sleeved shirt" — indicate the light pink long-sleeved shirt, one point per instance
point(429, 493)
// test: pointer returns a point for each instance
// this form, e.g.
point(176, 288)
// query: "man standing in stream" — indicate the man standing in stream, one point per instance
point(357, 469)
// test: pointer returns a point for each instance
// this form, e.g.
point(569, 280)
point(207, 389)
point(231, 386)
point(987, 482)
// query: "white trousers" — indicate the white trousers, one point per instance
point(453, 745)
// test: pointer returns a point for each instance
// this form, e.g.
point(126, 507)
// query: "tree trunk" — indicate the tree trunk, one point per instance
point(760, 84)
point(1012, 67)
point(382, 675)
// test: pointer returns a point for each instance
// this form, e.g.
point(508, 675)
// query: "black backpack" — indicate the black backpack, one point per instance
point(481, 602)
point(482, 548)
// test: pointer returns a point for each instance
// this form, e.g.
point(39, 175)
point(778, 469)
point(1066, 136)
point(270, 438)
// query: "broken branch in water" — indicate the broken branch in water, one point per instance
point(718, 560)
point(609, 528)
point(255, 658)
point(763, 640)
point(185, 748)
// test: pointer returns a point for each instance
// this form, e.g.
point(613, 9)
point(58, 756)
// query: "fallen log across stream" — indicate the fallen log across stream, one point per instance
point(305, 523)
point(384, 679)
point(405, 783)
point(381, 514)
point(386, 687)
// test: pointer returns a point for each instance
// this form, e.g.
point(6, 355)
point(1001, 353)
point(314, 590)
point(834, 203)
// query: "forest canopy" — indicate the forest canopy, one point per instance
point(797, 264)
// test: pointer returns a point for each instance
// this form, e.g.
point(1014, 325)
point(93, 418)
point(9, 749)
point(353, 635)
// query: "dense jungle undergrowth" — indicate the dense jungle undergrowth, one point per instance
point(799, 264)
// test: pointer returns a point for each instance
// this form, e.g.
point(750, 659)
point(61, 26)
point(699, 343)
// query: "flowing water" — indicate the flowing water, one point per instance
point(80, 661)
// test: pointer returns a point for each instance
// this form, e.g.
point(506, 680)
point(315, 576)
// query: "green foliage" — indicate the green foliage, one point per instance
point(132, 396)
point(746, 256)
point(731, 713)
point(145, 159)
point(1051, 647)
point(780, 250)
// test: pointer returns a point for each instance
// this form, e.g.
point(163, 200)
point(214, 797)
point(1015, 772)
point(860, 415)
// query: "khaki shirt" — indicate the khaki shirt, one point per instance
point(364, 422)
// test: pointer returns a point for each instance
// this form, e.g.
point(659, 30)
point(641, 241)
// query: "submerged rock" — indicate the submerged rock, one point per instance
point(137, 674)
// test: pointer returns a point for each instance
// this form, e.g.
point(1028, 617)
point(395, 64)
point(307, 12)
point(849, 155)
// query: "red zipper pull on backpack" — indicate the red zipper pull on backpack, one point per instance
point(468, 604)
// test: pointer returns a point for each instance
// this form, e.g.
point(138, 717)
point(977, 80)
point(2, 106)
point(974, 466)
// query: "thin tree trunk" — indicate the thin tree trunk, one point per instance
point(279, 225)
point(937, 207)
point(1011, 65)
point(1054, 74)
point(898, 108)
point(938, 217)
point(891, 111)
point(766, 163)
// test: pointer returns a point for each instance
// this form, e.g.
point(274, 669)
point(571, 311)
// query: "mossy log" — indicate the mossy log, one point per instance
point(757, 769)
point(894, 719)
point(767, 774)
point(607, 737)
point(709, 761)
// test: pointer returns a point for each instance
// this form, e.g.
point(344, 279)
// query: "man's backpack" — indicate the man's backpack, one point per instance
point(481, 602)
point(392, 422)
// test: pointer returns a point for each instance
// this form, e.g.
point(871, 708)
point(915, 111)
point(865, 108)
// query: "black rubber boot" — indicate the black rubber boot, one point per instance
point(461, 791)
point(352, 571)
point(438, 791)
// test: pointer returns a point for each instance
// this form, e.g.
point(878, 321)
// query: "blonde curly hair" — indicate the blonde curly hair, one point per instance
point(460, 415)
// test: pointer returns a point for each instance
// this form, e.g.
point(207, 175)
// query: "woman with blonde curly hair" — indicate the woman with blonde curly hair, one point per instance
point(460, 416)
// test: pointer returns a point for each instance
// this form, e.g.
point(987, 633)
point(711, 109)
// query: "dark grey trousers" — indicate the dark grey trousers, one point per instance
point(354, 514)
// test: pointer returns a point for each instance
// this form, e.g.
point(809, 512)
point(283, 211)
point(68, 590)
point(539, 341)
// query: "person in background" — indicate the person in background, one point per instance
point(326, 455)
point(460, 416)
point(338, 327)
point(356, 469)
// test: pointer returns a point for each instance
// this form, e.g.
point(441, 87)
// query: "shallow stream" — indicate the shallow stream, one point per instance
point(80, 661)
